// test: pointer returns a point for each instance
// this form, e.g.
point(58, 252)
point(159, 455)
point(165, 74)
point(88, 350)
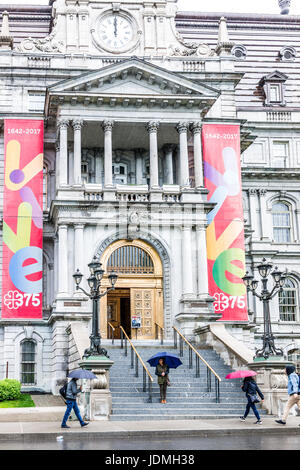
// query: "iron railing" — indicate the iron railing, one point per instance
point(134, 364)
point(159, 331)
point(111, 332)
point(198, 358)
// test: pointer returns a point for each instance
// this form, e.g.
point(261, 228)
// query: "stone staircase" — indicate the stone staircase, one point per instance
point(187, 397)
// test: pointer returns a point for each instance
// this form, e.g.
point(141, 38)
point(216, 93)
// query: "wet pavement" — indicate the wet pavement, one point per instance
point(281, 441)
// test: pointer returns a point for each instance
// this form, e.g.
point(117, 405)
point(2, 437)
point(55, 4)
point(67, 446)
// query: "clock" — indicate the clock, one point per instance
point(115, 31)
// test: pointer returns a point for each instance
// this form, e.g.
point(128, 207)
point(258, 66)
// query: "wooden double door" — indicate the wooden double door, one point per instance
point(136, 310)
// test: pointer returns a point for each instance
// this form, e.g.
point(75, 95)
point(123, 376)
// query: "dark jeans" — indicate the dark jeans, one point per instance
point(163, 391)
point(254, 409)
point(70, 405)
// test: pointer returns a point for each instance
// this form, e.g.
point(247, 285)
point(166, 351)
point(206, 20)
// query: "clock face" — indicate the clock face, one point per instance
point(115, 31)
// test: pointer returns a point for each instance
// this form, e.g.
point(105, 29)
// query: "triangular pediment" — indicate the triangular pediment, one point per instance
point(275, 76)
point(132, 77)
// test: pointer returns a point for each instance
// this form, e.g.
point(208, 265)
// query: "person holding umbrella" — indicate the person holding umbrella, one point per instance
point(162, 363)
point(251, 389)
point(71, 395)
point(162, 371)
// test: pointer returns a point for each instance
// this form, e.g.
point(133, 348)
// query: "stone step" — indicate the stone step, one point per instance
point(146, 417)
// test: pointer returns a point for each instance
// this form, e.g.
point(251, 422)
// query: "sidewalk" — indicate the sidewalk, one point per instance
point(37, 430)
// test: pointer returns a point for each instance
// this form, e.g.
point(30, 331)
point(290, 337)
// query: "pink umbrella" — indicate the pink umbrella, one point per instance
point(239, 374)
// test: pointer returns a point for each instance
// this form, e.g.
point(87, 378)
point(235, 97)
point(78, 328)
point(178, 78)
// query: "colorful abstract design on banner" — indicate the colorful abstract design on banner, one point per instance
point(22, 219)
point(225, 232)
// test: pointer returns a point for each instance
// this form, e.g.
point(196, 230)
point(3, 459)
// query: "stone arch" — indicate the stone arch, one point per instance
point(163, 252)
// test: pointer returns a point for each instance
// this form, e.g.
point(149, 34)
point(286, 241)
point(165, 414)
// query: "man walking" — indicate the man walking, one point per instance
point(72, 392)
point(293, 389)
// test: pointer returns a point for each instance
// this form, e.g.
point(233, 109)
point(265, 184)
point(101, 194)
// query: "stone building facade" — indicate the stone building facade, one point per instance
point(124, 89)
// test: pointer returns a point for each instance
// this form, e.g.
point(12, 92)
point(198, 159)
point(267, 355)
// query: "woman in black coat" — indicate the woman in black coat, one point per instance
point(162, 371)
point(251, 389)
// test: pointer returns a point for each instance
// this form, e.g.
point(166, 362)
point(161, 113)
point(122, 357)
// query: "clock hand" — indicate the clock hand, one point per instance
point(115, 25)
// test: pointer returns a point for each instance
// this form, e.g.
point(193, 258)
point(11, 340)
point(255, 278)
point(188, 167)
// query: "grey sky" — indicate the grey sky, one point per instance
point(239, 6)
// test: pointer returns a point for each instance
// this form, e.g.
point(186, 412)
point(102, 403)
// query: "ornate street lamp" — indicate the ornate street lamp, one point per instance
point(264, 270)
point(94, 282)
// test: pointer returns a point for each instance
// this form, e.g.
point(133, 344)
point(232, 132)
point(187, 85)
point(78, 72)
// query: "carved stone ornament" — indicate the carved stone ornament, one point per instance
point(190, 48)
point(46, 44)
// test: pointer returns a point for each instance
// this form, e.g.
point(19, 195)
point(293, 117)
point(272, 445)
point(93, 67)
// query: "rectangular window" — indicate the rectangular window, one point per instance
point(275, 93)
point(28, 365)
point(288, 305)
point(280, 154)
point(36, 102)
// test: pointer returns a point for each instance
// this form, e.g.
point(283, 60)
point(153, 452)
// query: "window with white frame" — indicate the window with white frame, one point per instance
point(28, 362)
point(280, 154)
point(281, 222)
point(288, 301)
point(36, 102)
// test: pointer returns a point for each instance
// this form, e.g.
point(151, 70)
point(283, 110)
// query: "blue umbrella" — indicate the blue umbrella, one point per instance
point(170, 359)
point(82, 374)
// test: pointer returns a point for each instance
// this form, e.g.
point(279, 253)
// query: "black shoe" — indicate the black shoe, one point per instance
point(242, 418)
point(65, 426)
point(84, 424)
point(258, 422)
point(279, 421)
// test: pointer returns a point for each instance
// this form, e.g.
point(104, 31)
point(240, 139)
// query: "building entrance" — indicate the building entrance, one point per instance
point(136, 304)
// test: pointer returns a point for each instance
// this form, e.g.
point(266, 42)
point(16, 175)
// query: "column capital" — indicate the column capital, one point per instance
point(63, 123)
point(152, 126)
point(196, 127)
point(252, 191)
point(79, 226)
point(107, 125)
point(77, 124)
point(261, 191)
point(182, 127)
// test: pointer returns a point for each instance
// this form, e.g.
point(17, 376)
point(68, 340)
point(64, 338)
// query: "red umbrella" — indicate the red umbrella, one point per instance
point(239, 374)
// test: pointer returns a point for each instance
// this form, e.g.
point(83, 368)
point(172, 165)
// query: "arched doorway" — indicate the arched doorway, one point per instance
point(137, 302)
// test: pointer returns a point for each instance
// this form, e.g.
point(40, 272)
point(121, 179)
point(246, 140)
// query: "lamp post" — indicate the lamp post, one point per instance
point(94, 282)
point(265, 296)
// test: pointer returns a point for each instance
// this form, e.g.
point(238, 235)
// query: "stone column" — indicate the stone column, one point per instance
point(152, 128)
point(98, 166)
point(139, 166)
point(198, 166)
point(63, 152)
point(266, 224)
point(57, 164)
point(184, 176)
point(187, 262)
point(253, 212)
point(168, 164)
point(62, 260)
point(202, 262)
point(78, 249)
point(107, 127)
point(77, 125)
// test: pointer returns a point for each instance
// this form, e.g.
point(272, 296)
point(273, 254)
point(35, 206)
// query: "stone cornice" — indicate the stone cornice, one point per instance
point(271, 173)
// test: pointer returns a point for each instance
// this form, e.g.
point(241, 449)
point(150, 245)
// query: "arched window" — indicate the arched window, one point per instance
point(130, 260)
point(28, 362)
point(281, 222)
point(288, 301)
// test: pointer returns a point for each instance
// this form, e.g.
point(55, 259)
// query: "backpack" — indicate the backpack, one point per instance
point(63, 391)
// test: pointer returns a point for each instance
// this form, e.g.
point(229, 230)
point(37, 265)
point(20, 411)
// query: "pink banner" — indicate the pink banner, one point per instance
point(225, 232)
point(22, 219)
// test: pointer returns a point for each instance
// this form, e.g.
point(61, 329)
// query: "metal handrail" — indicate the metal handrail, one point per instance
point(198, 358)
point(112, 332)
point(161, 329)
point(137, 358)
